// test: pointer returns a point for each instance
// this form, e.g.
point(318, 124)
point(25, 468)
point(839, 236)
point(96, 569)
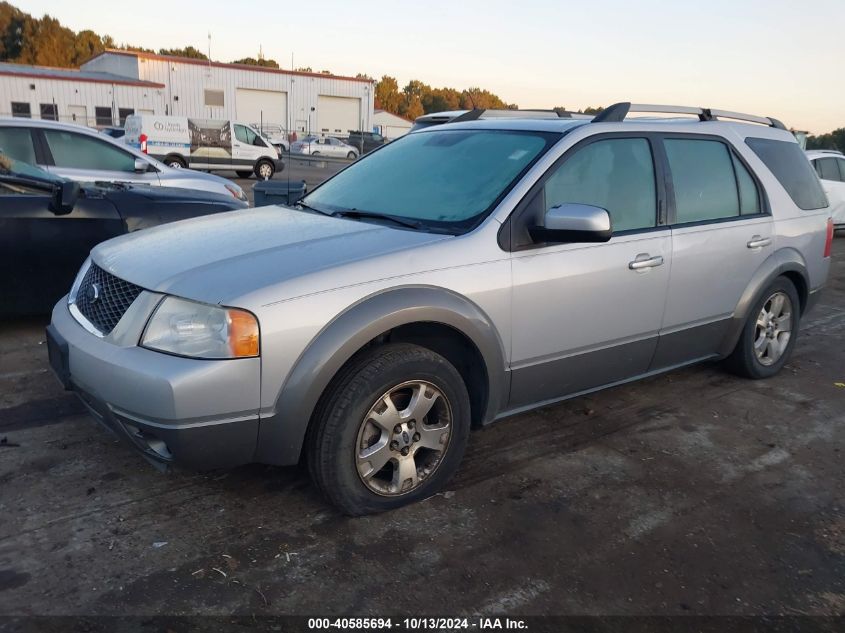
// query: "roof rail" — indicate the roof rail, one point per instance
point(617, 112)
point(492, 113)
point(828, 151)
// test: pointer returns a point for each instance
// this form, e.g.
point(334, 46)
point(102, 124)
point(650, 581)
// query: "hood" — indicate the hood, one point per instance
point(219, 258)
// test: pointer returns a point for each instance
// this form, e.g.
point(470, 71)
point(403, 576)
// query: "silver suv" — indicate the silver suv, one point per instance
point(456, 276)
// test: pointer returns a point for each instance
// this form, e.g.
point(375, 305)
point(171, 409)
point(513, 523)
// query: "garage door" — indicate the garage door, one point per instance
point(337, 116)
point(269, 107)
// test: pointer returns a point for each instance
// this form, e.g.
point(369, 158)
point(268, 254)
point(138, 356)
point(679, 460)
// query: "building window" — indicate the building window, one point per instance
point(103, 116)
point(49, 111)
point(214, 98)
point(21, 110)
point(122, 113)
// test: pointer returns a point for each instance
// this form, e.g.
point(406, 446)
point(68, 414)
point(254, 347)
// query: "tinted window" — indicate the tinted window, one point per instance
point(749, 195)
point(16, 142)
point(122, 113)
point(828, 169)
point(704, 181)
point(616, 174)
point(841, 162)
point(246, 135)
point(790, 166)
point(103, 116)
point(448, 177)
point(82, 152)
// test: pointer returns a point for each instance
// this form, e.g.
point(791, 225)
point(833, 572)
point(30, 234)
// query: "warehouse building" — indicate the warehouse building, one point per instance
point(114, 84)
point(390, 125)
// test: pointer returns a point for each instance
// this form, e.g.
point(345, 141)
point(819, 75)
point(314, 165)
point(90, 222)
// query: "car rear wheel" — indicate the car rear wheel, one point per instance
point(769, 334)
point(390, 430)
point(243, 174)
point(264, 170)
point(176, 162)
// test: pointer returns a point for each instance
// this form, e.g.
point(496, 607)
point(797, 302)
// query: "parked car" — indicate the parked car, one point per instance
point(275, 134)
point(456, 276)
point(830, 166)
point(215, 145)
point(82, 154)
point(324, 146)
point(49, 224)
point(365, 141)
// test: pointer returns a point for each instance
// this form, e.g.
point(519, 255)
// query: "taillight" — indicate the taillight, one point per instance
point(143, 140)
point(828, 240)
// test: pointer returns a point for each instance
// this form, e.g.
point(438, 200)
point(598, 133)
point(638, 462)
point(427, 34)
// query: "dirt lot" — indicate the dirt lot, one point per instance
point(691, 493)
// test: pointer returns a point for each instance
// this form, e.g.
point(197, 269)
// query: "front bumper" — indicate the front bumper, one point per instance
point(200, 413)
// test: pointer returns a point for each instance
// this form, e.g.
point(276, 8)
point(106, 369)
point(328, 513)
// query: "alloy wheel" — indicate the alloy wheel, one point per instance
point(773, 329)
point(403, 438)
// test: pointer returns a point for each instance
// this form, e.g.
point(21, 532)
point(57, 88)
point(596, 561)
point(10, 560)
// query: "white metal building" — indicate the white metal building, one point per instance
point(390, 125)
point(114, 84)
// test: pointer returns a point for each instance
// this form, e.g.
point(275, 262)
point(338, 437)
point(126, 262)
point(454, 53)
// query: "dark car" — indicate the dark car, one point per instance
point(49, 224)
point(366, 141)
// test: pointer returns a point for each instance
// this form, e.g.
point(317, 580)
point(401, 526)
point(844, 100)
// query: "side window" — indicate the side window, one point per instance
point(704, 181)
point(828, 169)
point(790, 166)
point(615, 174)
point(241, 134)
point(16, 142)
point(82, 152)
point(749, 195)
point(841, 162)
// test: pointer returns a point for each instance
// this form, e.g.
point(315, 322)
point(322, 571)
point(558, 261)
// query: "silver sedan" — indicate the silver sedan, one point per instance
point(324, 146)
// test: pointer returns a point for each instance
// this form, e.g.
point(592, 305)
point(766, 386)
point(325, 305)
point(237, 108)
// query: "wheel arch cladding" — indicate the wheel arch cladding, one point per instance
point(786, 262)
point(439, 319)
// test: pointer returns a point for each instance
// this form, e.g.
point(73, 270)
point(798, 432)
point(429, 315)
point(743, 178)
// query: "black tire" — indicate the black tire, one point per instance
point(264, 166)
point(352, 156)
point(744, 361)
point(243, 174)
point(175, 161)
point(331, 447)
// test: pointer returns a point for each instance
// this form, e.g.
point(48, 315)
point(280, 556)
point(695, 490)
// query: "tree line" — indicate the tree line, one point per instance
point(832, 140)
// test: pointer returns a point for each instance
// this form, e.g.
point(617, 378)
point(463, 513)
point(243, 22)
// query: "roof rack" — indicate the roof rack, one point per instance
point(618, 111)
point(828, 151)
point(491, 113)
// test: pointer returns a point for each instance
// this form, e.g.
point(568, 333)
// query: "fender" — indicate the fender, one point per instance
point(785, 260)
point(281, 435)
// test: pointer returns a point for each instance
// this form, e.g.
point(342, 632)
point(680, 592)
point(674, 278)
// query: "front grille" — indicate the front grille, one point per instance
point(103, 299)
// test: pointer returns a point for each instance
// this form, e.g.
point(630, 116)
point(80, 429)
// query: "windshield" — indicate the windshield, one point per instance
point(445, 178)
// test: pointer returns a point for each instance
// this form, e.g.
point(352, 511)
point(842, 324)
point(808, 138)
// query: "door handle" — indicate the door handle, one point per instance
point(759, 242)
point(644, 260)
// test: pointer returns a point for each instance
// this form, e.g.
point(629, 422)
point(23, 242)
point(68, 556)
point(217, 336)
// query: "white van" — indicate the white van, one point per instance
point(213, 145)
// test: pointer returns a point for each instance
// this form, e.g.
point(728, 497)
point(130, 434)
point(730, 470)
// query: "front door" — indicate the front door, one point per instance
point(86, 158)
point(721, 234)
point(588, 315)
point(247, 147)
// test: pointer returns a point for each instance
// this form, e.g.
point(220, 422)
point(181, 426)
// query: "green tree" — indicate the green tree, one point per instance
point(188, 51)
point(85, 46)
point(251, 61)
point(387, 96)
point(833, 140)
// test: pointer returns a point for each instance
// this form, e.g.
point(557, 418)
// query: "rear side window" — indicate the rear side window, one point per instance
point(616, 175)
point(83, 152)
point(790, 166)
point(16, 142)
point(710, 183)
point(828, 169)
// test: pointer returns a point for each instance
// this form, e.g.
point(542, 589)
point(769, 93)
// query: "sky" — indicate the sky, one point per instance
point(780, 58)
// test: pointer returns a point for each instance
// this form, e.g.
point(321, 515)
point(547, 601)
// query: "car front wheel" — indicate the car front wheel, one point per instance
point(768, 336)
point(264, 170)
point(390, 430)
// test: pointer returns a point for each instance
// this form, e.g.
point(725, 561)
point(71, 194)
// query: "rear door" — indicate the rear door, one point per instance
point(86, 158)
point(722, 232)
point(19, 143)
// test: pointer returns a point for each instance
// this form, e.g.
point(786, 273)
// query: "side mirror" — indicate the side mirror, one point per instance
point(570, 222)
point(64, 198)
point(141, 166)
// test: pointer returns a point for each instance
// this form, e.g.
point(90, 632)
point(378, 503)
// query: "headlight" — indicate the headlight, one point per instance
point(199, 330)
point(236, 191)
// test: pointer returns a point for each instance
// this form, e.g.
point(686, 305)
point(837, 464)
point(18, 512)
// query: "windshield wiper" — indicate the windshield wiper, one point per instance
point(302, 205)
point(356, 214)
